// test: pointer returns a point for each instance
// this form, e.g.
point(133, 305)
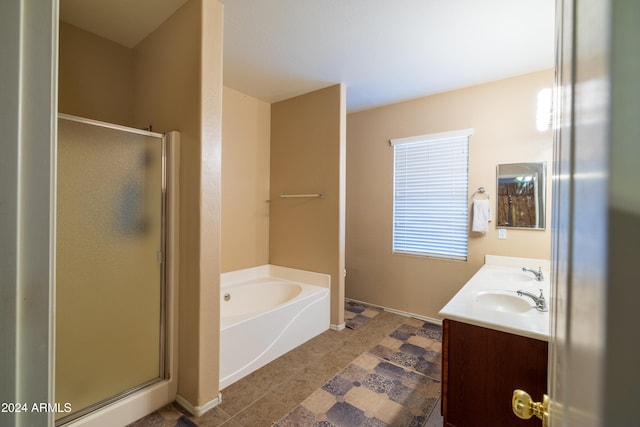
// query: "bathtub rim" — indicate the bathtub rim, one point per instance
point(275, 271)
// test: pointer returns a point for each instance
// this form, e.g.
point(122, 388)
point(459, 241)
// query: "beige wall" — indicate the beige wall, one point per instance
point(95, 77)
point(246, 127)
point(503, 115)
point(159, 82)
point(307, 155)
point(171, 93)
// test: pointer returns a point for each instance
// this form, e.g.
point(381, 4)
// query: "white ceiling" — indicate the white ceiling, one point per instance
point(384, 51)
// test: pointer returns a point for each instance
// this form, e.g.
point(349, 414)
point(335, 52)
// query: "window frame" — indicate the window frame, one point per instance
point(450, 249)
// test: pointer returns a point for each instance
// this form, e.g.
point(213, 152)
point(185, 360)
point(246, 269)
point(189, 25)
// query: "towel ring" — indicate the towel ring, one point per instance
point(480, 190)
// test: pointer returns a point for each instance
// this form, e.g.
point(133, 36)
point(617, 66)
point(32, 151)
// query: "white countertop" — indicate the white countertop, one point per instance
point(503, 276)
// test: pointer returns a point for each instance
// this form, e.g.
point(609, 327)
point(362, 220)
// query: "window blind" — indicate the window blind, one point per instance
point(430, 208)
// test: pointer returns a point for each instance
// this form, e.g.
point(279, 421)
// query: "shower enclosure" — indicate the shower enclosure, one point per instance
point(110, 278)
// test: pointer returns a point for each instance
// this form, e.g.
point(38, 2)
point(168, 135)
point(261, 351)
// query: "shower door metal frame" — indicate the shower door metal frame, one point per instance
point(163, 373)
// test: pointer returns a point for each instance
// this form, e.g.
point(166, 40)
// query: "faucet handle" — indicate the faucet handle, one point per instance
point(541, 305)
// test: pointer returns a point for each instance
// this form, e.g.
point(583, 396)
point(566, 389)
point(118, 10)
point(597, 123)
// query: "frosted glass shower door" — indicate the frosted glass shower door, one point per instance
point(109, 291)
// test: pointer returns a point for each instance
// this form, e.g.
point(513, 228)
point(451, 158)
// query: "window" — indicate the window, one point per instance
point(430, 191)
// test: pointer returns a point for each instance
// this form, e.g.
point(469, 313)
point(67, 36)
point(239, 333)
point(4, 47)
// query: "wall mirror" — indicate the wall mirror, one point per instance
point(521, 195)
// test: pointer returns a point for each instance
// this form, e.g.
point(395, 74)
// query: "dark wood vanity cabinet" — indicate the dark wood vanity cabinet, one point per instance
point(480, 369)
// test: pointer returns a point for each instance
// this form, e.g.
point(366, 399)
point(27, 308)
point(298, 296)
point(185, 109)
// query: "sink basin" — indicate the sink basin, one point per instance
point(513, 276)
point(506, 301)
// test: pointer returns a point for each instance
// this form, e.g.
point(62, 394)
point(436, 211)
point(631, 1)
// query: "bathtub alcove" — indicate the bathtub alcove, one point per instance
point(265, 312)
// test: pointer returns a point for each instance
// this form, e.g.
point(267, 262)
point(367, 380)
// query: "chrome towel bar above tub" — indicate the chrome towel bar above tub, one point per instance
point(292, 196)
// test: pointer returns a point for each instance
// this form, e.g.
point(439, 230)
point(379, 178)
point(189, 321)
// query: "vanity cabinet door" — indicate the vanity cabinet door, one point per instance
point(481, 368)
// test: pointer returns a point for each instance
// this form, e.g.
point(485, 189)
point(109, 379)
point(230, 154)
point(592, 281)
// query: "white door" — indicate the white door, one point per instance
point(594, 378)
point(28, 95)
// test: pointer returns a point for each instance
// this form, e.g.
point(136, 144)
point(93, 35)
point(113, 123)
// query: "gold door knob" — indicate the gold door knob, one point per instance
point(524, 407)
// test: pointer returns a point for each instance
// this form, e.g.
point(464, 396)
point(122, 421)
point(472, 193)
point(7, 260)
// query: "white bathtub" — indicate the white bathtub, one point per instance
point(269, 310)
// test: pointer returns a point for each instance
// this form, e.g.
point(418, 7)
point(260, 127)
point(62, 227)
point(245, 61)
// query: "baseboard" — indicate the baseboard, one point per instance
point(400, 312)
point(197, 411)
point(339, 327)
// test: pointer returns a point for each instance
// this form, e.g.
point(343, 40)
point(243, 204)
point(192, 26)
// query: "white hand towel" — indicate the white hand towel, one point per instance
point(481, 216)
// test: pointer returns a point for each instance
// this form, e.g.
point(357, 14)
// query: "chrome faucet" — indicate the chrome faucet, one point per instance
point(538, 273)
point(541, 303)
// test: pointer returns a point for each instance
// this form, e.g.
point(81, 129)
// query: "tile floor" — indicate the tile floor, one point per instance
point(272, 392)
point(357, 314)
